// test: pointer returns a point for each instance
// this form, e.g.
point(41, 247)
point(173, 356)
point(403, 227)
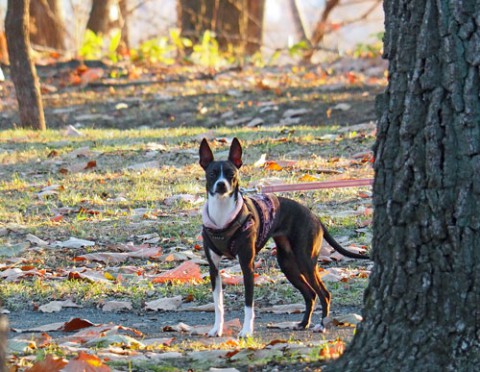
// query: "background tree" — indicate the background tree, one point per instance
point(124, 23)
point(99, 20)
point(298, 23)
point(421, 306)
point(235, 22)
point(47, 26)
point(22, 69)
point(325, 26)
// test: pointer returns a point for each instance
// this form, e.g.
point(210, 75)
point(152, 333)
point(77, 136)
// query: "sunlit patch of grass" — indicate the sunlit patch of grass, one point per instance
point(114, 202)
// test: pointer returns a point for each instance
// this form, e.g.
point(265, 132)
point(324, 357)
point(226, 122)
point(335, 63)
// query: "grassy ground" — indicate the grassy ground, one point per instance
point(143, 186)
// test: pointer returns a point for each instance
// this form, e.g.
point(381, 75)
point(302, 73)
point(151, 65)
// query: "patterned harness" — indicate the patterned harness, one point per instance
point(261, 208)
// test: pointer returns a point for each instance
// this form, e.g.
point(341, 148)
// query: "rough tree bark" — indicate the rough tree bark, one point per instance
point(22, 69)
point(47, 27)
point(421, 306)
point(235, 22)
point(3, 342)
point(99, 18)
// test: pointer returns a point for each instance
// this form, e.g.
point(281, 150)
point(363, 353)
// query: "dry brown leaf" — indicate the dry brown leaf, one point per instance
point(186, 272)
point(56, 306)
point(284, 309)
point(75, 324)
point(49, 364)
point(86, 363)
point(164, 304)
point(115, 306)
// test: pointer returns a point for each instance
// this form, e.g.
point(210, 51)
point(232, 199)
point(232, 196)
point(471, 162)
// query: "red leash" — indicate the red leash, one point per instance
point(316, 185)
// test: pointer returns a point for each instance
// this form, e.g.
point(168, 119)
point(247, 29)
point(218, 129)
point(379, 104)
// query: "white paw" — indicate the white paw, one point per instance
point(319, 328)
point(245, 333)
point(215, 332)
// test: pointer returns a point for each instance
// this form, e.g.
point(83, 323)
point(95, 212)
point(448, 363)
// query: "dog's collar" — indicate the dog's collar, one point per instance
point(207, 221)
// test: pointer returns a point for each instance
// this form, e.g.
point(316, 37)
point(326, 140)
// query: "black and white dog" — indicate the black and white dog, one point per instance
point(238, 226)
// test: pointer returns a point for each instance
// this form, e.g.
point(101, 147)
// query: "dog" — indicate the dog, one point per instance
point(237, 226)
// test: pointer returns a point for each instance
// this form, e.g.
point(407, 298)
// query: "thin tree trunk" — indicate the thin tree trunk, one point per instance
point(320, 28)
point(124, 12)
point(23, 71)
point(297, 21)
point(99, 19)
point(421, 306)
point(47, 27)
point(255, 12)
point(235, 22)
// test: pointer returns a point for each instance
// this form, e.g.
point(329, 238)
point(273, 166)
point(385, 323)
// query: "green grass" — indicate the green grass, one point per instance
point(105, 203)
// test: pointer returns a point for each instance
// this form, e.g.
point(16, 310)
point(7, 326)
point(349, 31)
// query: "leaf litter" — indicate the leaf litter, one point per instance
point(94, 219)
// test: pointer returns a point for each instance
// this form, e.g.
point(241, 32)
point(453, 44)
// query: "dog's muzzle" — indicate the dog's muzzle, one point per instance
point(221, 187)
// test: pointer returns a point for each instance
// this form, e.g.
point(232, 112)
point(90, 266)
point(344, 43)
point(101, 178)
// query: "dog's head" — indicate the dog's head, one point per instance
point(222, 176)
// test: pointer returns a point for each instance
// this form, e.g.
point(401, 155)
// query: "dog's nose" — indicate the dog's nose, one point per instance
point(221, 187)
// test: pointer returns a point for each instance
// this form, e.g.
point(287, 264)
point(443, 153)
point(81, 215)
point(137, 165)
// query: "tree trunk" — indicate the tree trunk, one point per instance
point(3, 342)
point(125, 15)
point(99, 19)
point(22, 69)
point(235, 22)
point(421, 308)
point(254, 21)
point(47, 27)
point(298, 24)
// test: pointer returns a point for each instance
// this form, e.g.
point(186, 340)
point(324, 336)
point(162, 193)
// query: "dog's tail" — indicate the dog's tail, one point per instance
point(335, 245)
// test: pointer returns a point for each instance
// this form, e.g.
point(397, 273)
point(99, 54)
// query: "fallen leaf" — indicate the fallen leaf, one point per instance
point(283, 325)
point(75, 324)
point(91, 75)
point(240, 121)
point(342, 107)
point(308, 178)
point(55, 306)
point(185, 198)
point(332, 349)
point(49, 364)
point(261, 161)
point(117, 306)
point(188, 271)
point(346, 320)
point(74, 243)
point(180, 327)
point(91, 164)
point(255, 123)
point(272, 165)
point(89, 275)
point(86, 363)
point(291, 113)
point(228, 279)
point(284, 309)
point(164, 304)
point(35, 240)
point(73, 132)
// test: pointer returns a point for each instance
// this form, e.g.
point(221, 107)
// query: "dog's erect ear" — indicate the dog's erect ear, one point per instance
point(206, 155)
point(235, 155)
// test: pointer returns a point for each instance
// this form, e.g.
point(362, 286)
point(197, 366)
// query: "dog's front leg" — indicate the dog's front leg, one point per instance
point(247, 265)
point(214, 261)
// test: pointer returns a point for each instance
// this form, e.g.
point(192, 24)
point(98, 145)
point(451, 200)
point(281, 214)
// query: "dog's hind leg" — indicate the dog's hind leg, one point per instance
point(289, 266)
point(308, 266)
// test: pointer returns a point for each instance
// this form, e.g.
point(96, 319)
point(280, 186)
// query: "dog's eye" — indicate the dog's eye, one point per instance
point(212, 174)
